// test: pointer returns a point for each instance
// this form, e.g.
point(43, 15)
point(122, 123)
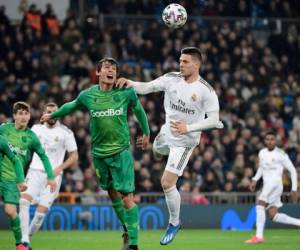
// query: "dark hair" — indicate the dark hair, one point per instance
point(193, 51)
point(51, 105)
point(21, 106)
point(110, 60)
point(270, 132)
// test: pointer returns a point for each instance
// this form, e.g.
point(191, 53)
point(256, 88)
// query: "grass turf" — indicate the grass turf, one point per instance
point(288, 239)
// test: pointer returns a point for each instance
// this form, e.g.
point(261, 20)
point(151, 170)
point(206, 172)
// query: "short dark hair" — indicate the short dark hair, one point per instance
point(193, 51)
point(270, 132)
point(21, 106)
point(110, 60)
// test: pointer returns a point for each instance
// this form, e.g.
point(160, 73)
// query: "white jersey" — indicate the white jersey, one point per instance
point(188, 102)
point(55, 141)
point(271, 166)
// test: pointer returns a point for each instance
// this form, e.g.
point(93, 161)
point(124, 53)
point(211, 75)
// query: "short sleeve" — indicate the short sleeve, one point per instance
point(70, 142)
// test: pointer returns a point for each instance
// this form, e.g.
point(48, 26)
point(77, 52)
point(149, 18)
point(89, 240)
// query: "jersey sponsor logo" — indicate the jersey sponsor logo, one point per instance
point(17, 150)
point(108, 112)
point(180, 107)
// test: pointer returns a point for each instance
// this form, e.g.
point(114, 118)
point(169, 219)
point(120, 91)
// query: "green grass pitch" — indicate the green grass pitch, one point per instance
point(149, 240)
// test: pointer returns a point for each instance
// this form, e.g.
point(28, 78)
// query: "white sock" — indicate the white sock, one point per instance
point(36, 223)
point(24, 217)
point(173, 201)
point(260, 220)
point(285, 219)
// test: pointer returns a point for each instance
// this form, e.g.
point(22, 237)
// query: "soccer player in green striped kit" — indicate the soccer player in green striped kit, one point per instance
point(110, 140)
point(23, 142)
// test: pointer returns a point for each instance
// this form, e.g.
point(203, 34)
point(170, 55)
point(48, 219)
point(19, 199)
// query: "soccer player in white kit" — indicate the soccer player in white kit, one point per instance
point(56, 139)
point(272, 162)
point(188, 98)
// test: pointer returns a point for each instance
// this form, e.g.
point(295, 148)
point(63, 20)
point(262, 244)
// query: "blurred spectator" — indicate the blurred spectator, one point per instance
point(254, 68)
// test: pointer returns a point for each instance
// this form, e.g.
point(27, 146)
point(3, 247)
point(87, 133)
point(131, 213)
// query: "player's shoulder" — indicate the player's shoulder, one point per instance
point(37, 127)
point(31, 133)
point(88, 90)
point(205, 85)
point(173, 75)
point(280, 151)
point(6, 125)
point(65, 129)
point(263, 151)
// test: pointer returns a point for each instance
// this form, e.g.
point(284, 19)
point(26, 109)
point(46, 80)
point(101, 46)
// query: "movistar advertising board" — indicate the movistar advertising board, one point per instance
point(102, 217)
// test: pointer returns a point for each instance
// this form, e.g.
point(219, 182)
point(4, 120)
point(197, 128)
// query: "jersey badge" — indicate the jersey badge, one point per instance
point(194, 97)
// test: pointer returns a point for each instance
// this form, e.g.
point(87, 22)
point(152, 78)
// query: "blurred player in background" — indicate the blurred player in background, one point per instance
point(23, 143)
point(56, 139)
point(272, 162)
point(188, 99)
point(11, 183)
point(110, 138)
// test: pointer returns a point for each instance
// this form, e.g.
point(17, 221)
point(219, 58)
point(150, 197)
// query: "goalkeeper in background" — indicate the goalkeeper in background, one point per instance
point(110, 140)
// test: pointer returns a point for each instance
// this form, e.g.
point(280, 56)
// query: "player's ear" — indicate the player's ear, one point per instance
point(97, 73)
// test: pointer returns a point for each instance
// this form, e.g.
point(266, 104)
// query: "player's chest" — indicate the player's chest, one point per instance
point(271, 161)
point(185, 95)
point(51, 139)
point(104, 102)
point(20, 143)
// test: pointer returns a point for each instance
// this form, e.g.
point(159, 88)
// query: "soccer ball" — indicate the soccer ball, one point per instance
point(174, 15)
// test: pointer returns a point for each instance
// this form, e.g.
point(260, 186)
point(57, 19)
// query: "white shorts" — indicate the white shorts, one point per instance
point(178, 156)
point(38, 189)
point(271, 194)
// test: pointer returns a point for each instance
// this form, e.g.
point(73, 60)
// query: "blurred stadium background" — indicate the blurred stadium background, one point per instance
point(252, 50)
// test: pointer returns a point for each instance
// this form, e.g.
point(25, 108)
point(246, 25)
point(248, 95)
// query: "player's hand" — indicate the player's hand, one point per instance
point(252, 186)
point(22, 186)
point(123, 82)
point(58, 170)
point(52, 184)
point(142, 142)
point(179, 127)
point(294, 197)
point(45, 117)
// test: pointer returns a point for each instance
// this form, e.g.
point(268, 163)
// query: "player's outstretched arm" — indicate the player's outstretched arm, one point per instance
point(141, 87)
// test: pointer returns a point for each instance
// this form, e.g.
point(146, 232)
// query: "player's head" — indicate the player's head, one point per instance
point(21, 114)
point(190, 61)
point(270, 139)
point(49, 108)
point(107, 70)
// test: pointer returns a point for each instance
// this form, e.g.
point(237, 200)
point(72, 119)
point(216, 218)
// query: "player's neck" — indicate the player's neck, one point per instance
point(105, 86)
point(20, 127)
point(191, 78)
point(50, 125)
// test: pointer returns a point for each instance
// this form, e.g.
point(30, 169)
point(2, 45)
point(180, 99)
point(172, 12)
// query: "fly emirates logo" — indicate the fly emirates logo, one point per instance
point(108, 112)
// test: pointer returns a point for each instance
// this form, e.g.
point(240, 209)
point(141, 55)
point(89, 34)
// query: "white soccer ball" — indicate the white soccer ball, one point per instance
point(174, 15)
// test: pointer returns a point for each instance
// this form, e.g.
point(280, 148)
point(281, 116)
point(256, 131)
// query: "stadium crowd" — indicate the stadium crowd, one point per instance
point(256, 79)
